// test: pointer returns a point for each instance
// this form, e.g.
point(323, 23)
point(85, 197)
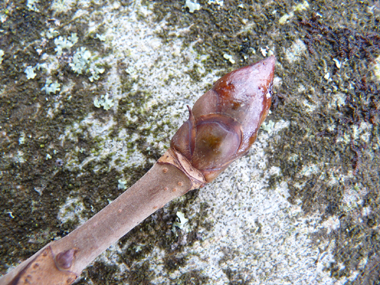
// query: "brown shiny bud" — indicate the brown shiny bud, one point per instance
point(225, 120)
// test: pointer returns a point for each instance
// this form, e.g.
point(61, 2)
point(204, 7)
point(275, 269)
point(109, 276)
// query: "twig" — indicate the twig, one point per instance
point(221, 128)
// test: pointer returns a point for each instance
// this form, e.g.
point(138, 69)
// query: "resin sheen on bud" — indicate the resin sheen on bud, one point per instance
point(225, 120)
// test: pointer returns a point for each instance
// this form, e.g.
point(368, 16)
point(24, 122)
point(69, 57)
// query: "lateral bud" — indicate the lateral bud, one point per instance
point(65, 259)
point(43, 270)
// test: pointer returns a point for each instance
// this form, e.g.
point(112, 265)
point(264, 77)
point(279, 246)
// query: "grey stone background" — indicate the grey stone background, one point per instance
point(92, 91)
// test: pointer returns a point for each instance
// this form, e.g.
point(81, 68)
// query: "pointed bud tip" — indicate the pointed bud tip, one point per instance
point(270, 63)
point(265, 68)
point(271, 60)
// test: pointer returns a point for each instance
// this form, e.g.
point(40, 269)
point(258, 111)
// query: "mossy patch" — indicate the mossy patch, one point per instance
point(317, 138)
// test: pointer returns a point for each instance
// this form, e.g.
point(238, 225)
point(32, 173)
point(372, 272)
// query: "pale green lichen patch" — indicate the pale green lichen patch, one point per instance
point(84, 62)
point(1, 55)
point(376, 67)
point(331, 224)
point(21, 139)
point(32, 5)
point(65, 43)
point(51, 33)
point(122, 184)
point(81, 60)
point(19, 157)
point(299, 7)
point(297, 49)
point(362, 132)
point(337, 100)
point(193, 6)
point(51, 87)
point(29, 71)
point(182, 221)
point(60, 6)
point(268, 126)
point(353, 200)
point(104, 102)
point(230, 58)
point(217, 2)
point(309, 170)
point(72, 211)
